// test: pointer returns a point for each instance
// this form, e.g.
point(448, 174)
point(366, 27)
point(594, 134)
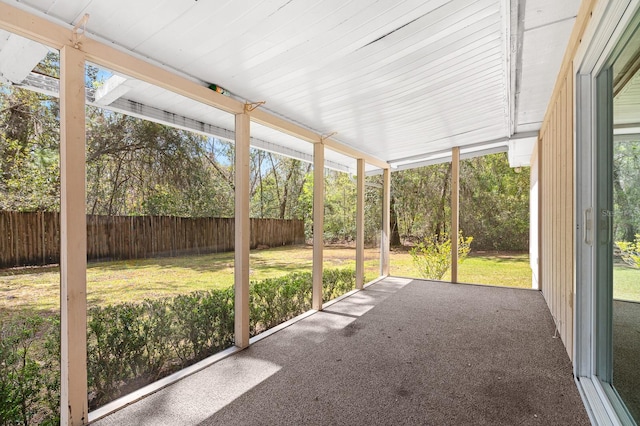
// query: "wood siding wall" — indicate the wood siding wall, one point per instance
point(556, 211)
point(556, 162)
point(34, 238)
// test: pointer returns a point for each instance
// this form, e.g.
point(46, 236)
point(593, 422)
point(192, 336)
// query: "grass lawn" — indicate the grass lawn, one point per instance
point(510, 269)
point(626, 282)
point(37, 289)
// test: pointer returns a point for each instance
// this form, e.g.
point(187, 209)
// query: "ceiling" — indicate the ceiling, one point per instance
point(626, 91)
point(403, 81)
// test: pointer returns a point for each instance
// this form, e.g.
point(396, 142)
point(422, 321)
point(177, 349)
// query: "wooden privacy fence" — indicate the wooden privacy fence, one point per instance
point(34, 238)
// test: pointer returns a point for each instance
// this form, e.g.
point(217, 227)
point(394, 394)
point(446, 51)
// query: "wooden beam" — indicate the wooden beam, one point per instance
point(360, 226)
point(27, 25)
point(73, 245)
point(125, 63)
point(455, 216)
point(265, 118)
point(242, 231)
point(386, 225)
point(55, 35)
point(318, 224)
point(354, 153)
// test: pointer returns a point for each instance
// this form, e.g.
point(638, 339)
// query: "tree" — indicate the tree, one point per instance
point(421, 200)
point(339, 207)
point(280, 181)
point(137, 167)
point(626, 189)
point(29, 160)
point(494, 202)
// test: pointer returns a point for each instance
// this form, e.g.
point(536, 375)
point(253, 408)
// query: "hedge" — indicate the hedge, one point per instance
point(132, 344)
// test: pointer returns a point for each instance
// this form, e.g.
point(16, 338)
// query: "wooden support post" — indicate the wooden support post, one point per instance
point(386, 225)
point(360, 226)
point(455, 216)
point(73, 244)
point(318, 224)
point(242, 231)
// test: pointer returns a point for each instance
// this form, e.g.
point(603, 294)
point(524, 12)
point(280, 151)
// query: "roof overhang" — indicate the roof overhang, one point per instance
point(400, 83)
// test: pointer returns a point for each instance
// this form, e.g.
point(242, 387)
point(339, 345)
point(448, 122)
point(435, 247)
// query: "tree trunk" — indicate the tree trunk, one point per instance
point(394, 239)
point(441, 226)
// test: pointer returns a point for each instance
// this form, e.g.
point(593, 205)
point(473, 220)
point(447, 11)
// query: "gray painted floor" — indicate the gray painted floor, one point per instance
point(400, 352)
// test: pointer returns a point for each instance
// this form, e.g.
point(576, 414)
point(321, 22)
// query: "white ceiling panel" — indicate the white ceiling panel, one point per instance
point(542, 61)
point(627, 103)
point(547, 25)
point(540, 13)
point(393, 79)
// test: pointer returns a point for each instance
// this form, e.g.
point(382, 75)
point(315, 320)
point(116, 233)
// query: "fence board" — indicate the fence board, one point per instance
point(28, 239)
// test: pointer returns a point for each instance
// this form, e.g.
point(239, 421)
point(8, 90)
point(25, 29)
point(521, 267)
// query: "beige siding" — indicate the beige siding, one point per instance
point(555, 165)
point(556, 215)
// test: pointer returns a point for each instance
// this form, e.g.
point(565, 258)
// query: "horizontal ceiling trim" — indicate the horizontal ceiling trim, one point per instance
point(50, 86)
point(470, 149)
point(447, 158)
point(466, 148)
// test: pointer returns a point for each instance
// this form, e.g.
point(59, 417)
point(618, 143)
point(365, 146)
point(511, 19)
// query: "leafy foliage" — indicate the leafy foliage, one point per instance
point(136, 167)
point(630, 251)
point(626, 189)
point(29, 164)
point(422, 200)
point(339, 207)
point(336, 282)
point(133, 344)
point(432, 257)
point(276, 300)
point(494, 202)
point(29, 378)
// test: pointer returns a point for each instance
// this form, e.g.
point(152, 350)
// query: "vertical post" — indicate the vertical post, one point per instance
point(360, 226)
point(540, 212)
point(73, 241)
point(242, 231)
point(386, 225)
point(318, 223)
point(455, 216)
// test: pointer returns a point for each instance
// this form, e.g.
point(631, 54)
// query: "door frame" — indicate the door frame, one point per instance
point(609, 22)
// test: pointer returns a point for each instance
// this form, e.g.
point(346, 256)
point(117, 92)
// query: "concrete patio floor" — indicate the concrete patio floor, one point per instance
point(400, 352)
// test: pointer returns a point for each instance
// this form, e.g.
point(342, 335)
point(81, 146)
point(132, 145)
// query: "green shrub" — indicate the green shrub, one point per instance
point(336, 282)
point(29, 385)
point(133, 344)
point(275, 300)
point(630, 252)
point(115, 347)
point(203, 324)
point(432, 257)
point(157, 331)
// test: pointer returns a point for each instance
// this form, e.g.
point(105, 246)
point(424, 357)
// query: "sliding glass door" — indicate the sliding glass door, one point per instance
point(617, 248)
